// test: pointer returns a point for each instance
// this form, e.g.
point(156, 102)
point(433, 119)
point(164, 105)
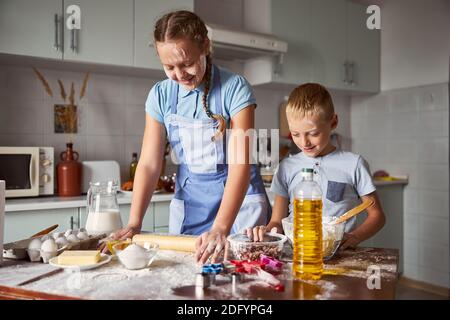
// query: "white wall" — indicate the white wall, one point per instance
point(405, 128)
point(415, 43)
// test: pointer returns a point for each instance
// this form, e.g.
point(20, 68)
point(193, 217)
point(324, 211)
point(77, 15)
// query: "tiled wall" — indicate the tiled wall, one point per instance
point(406, 131)
point(111, 115)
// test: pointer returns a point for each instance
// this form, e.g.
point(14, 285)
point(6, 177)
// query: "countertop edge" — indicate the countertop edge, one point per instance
point(46, 203)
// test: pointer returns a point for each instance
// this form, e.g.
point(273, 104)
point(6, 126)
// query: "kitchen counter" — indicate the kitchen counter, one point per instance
point(54, 202)
point(363, 273)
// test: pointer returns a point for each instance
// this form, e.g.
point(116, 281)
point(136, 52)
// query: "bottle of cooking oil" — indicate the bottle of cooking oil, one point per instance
point(307, 253)
point(133, 165)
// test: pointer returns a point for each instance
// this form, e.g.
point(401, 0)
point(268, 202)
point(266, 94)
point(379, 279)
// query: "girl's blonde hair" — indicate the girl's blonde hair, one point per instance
point(187, 25)
point(310, 99)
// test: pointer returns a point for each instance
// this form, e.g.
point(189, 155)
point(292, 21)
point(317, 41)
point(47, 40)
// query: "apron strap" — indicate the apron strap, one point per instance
point(174, 98)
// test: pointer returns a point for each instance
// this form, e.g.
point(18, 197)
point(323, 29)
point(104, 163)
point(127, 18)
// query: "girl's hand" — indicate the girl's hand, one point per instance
point(257, 233)
point(210, 245)
point(349, 240)
point(122, 234)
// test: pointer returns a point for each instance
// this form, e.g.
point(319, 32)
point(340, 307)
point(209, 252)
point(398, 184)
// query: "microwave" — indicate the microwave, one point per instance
point(27, 171)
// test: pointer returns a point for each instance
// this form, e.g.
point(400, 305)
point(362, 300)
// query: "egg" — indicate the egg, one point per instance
point(82, 235)
point(44, 238)
point(56, 235)
point(61, 242)
point(68, 233)
point(35, 244)
point(49, 245)
point(71, 238)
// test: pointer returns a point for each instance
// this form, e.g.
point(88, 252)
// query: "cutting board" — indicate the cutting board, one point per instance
point(96, 171)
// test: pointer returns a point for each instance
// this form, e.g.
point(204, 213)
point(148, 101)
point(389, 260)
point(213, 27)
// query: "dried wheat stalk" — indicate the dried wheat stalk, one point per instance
point(44, 82)
point(62, 90)
point(83, 88)
point(72, 95)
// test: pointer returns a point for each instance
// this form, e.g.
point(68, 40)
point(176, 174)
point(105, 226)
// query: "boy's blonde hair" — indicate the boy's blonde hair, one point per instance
point(310, 99)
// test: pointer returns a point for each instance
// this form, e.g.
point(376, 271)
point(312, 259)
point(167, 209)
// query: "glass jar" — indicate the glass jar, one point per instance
point(102, 208)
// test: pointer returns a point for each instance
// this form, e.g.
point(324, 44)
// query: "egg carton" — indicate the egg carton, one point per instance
point(18, 249)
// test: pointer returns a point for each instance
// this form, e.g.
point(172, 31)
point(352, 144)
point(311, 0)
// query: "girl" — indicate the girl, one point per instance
point(215, 194)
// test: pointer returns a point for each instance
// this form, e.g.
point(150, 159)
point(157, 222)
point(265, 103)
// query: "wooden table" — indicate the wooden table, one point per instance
point(363, 273)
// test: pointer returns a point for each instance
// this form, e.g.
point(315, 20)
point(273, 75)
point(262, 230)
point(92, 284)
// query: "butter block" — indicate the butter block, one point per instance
point(79, 257)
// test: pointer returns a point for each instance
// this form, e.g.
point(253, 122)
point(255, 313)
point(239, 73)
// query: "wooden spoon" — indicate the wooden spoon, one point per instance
point(353, 212)
point(45, 231)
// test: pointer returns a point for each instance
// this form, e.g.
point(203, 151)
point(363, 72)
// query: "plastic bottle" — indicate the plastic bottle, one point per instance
point(133, 165)
point(307, 255)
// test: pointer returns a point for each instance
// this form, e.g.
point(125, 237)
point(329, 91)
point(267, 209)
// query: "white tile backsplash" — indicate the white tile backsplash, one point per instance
point(106, 147)
point(105, 89)
point(105, 119)
point(434, 229)
point(416, 137)
point(434, 202)
point(135, 120)
point(434, 256)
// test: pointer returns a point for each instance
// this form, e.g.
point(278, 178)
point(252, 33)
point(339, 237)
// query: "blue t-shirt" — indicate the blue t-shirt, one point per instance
point(236, 94)
point(343, 177)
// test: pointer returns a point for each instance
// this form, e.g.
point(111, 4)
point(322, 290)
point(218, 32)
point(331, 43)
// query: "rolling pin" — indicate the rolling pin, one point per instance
point(167, 242)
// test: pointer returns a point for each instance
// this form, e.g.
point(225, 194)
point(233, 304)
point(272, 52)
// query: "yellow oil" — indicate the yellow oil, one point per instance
point(307, 255)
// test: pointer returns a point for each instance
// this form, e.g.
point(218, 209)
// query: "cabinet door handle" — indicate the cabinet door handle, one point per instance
point(71, 222)
point(345, 72)
point(352, 73)
point(56, 44)
point(74, 39)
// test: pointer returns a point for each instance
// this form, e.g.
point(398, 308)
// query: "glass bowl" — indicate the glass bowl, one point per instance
point(243, 248)
point(331, 234)
point(134, 256)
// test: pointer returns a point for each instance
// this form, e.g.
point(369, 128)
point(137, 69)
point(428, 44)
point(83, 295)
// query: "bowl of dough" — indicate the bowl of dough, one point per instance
point(244, 248)
point(331, 234)
point(134, 256)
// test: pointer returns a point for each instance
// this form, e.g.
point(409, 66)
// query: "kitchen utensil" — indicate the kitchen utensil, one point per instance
point(44, 275)
point(99, 171)
point(184, 243)
point(353, 212)
point(45, 231)
point(102, 207)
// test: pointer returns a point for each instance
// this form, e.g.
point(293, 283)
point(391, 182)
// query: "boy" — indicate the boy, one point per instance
point(343, 176)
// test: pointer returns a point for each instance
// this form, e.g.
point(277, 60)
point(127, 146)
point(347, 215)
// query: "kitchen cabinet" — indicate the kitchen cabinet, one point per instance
point(29, 28)
point(363, 53)
point(346, 54)
point(328, 42)
point(106, 34)
point(146, 14)
point(23, 224)
point(291, 22)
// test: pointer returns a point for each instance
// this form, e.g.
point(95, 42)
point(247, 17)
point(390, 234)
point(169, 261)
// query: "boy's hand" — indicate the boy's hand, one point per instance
point(349, 240)
point(257, 233)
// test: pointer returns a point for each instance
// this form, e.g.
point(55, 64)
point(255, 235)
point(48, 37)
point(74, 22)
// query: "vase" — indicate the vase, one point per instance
point(69, 171)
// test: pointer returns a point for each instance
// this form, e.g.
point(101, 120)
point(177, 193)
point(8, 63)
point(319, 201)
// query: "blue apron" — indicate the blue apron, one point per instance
point(203, 172)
